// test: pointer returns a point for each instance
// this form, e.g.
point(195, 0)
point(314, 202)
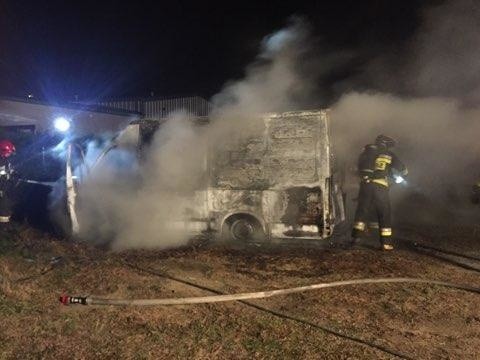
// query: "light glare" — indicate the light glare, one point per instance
point(62, 124)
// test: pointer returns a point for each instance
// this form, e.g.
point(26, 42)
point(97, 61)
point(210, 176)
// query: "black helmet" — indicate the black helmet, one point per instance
point(385, 141)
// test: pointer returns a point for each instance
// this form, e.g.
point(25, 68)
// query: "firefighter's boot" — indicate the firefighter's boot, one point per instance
point(387, 247)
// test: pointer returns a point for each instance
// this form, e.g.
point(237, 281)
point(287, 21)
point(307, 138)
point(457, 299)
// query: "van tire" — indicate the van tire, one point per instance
point(243, 228)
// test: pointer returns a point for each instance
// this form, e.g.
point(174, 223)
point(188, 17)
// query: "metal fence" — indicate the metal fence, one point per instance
point(160, 108)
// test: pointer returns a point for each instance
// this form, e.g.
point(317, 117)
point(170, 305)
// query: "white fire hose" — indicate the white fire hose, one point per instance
point(255, 295)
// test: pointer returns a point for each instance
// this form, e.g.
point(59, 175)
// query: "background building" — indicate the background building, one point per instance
point(159, 108)
point(84, 119)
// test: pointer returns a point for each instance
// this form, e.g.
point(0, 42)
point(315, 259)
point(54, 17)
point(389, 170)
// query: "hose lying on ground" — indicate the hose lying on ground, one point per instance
point(281, 315)
point(331, 331)
point(439, 254)
point(449, 252)
point(255, 295)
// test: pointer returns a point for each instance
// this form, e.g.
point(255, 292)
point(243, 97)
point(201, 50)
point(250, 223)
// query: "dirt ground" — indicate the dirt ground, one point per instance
point(420, 321)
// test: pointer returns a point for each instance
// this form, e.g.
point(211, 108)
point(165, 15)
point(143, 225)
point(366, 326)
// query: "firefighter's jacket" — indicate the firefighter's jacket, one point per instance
point(6, 176)
point(377, 164)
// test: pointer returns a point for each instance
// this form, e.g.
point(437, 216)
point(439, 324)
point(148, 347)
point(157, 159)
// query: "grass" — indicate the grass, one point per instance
point(10, 307)
point(10, 249)
point(35, 326)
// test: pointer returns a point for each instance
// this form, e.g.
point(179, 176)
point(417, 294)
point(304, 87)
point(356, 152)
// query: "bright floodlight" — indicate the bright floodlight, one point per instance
point(62, 124)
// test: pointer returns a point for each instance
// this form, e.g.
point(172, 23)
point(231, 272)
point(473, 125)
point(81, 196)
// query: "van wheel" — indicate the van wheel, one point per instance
point(243, 228)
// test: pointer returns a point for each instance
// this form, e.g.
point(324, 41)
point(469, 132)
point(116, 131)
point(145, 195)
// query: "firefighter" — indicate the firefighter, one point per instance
point(7, 149)
point(376, 166)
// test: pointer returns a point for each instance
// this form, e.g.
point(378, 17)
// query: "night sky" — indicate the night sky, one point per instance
point(111, 49)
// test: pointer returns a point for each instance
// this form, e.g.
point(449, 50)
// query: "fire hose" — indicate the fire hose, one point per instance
point(66, 299)
point(44, 183)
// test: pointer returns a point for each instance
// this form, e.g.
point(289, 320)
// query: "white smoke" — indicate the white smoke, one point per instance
point(445, 51)
point(436, 136)
point(136, 203)
point(436, 118)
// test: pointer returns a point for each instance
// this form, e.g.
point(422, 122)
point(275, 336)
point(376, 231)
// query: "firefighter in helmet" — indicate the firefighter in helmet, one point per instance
point(7, 149)
point(377, 165)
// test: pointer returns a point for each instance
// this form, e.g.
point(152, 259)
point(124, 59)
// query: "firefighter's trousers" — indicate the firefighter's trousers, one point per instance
point(5, 207)
point(373, 199)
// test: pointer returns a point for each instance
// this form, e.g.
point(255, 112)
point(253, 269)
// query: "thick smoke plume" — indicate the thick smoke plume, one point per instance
point(437, 139)
point(138, 203)
point(439, 60)
point(423, 105)
point(429, 100)
point(135, 203)
point(445, 52)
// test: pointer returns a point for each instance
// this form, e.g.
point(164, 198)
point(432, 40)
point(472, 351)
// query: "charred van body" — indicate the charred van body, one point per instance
point(277, 182)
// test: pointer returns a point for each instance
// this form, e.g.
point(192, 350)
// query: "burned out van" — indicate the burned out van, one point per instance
point(277, 182)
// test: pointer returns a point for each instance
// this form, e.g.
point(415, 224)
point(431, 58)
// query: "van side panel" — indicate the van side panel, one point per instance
point(281, 175)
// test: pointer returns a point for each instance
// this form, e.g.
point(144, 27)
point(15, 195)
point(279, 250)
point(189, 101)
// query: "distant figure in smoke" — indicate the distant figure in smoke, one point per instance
point(7, 149)
point(377, 164)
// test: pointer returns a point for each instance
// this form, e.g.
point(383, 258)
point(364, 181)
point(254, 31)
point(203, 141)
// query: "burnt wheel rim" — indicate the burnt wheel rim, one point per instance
point(242, 230)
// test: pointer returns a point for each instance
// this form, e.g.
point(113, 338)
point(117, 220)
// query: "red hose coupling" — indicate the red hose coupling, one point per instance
point(70, 300)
